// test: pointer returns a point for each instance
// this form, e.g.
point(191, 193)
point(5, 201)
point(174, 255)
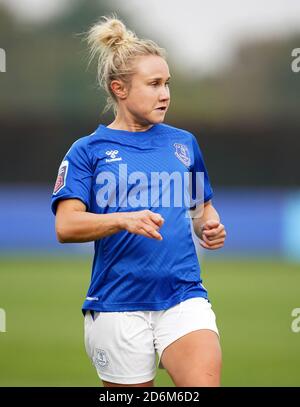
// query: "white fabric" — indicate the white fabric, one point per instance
point(123, 345)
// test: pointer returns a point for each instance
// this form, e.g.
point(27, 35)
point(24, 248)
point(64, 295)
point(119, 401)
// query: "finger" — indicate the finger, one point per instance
point(216, 227)
point(213, 241)
point(211, 224)
point(210, 233)
point(152, 232)
point(142, 232)
point(215, 231)
point(214, 237)
point(218, 246)
point(157, 218)
point(203, 244)
point(150, 223)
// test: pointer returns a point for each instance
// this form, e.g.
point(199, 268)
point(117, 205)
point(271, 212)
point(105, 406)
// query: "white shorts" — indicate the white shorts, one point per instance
point(123, 345)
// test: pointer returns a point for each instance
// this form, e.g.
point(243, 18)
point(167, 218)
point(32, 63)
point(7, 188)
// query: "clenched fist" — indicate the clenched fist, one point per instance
point(213, 235)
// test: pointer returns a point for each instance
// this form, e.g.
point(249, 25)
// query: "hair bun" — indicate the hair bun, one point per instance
point(109, 32)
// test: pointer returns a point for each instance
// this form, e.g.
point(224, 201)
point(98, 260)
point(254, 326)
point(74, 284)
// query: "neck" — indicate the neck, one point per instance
point(129, 124)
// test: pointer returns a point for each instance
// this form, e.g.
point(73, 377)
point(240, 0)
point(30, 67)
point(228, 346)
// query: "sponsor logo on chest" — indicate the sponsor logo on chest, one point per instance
point(113, 156)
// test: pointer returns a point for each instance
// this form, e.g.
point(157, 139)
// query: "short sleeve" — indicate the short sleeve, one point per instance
point(201, 188)
point(74, 179)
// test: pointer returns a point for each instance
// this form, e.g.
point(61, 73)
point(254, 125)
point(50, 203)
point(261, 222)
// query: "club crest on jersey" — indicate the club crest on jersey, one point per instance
point(182, 153)
point(61, 177)
point(100, 359)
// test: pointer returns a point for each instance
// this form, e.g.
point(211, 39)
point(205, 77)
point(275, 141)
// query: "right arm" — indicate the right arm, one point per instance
point(74, 225)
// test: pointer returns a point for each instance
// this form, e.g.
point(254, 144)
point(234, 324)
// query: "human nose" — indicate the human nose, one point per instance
point(164, 94)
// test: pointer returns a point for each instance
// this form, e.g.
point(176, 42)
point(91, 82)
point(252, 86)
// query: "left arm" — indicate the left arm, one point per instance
point(207, 226)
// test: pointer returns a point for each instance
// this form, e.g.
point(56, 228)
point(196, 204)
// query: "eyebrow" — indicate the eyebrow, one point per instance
point(158, 79)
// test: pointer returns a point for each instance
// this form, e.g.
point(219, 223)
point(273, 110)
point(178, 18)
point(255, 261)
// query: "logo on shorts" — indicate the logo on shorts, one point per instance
point(61, 177)
point(182, 153)
point(100, 360)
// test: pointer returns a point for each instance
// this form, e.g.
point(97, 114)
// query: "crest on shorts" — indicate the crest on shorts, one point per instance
point(100, 359)
point(182, 153)
point(61, 177)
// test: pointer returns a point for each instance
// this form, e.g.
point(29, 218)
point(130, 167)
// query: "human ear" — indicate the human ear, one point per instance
point(119, 88)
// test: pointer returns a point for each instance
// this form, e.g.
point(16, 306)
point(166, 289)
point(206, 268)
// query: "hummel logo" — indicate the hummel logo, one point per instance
point(112, 154)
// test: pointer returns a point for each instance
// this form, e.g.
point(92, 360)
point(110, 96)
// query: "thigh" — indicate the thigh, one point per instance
point(194, 359)
point(120, 345)
point(187, 342)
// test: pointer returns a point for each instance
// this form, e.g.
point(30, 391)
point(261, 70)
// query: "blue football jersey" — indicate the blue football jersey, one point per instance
point(161, 169)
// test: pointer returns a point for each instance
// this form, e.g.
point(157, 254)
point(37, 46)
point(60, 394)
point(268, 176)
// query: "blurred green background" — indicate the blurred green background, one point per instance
point(43, 345)
point(243, 106)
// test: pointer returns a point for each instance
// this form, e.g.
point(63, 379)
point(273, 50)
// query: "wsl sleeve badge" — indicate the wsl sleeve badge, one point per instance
point(61, 177)
point(182, 153)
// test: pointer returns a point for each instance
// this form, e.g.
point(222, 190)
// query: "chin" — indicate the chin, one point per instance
point(154, 119)
point(158, 119)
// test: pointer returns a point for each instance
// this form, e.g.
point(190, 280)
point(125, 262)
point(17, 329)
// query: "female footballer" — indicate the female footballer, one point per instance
point(124, 187)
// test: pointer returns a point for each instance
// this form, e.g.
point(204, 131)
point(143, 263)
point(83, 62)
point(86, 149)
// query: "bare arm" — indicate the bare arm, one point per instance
point(207, 226)
point(74, 225)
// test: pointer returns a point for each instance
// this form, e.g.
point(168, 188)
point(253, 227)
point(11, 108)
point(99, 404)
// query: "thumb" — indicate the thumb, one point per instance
point(210, 224)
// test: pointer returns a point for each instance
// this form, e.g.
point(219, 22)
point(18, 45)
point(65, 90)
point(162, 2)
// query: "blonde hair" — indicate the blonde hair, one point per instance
point(116, 48)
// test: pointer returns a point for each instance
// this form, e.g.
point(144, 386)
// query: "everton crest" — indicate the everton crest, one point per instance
point(100, 359)
point(182, 153)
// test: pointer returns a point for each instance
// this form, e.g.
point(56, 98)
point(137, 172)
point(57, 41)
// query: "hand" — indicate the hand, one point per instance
point(213, 235)
point(143, 222)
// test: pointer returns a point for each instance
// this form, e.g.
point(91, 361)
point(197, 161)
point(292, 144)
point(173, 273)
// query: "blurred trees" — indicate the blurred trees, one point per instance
point(48, 98)
point(47, 63)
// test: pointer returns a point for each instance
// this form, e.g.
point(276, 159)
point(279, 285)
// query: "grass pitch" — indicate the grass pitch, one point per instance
point(43, 343)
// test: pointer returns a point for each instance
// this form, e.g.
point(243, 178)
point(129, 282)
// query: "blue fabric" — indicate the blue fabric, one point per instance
point(118, 171)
